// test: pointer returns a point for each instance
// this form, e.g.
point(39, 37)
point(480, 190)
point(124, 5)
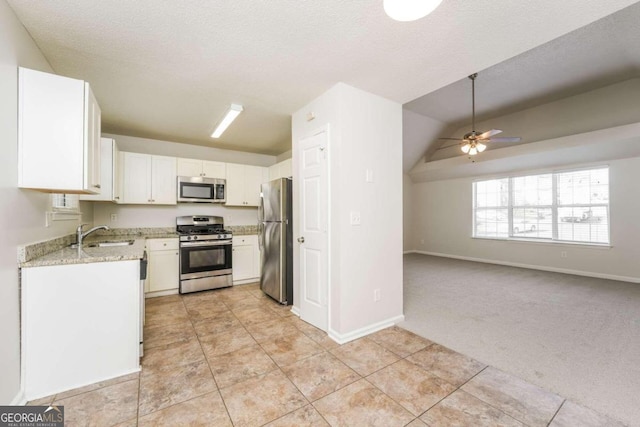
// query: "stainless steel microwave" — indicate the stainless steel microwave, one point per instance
point(197, 189)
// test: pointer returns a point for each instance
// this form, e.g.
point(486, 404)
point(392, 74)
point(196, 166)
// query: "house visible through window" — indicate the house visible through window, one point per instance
point(570, 206)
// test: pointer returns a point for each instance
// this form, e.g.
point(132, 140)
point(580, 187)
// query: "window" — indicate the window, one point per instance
point(64, 207)
point(568, 206)
point(65, 203)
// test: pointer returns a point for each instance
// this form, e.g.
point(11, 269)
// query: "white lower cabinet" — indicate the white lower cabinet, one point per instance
point(163, 269)
point(80, 325)
point(246, 259)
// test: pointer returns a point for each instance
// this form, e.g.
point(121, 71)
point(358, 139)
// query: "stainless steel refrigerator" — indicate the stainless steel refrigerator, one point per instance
point(275, 238)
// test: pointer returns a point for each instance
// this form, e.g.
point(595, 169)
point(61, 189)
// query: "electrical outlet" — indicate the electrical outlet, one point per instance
point(563, 254)
point(114, 217)
point(376, 295)
point(355, 218)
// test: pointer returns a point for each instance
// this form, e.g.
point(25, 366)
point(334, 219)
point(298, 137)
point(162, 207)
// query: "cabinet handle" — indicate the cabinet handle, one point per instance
point(117, 198)
point(97, 186)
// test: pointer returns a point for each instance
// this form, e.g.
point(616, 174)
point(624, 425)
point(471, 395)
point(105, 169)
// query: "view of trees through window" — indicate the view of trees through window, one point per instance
point(568, 206)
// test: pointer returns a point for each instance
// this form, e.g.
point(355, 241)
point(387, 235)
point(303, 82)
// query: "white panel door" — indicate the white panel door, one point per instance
point(313, 230)
point(243, 257)
point(163, 270)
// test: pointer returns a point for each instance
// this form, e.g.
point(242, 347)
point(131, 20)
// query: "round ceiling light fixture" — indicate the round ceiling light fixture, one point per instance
point(409, 10)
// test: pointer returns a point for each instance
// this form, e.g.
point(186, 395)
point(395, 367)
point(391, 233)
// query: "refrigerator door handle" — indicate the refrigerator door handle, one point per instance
point(261, 235)
point(261, 208)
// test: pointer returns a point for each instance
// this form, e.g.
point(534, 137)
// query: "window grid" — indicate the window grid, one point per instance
point(585, 222)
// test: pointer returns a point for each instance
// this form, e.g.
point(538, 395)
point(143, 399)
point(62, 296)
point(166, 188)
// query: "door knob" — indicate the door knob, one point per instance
point(301, 239)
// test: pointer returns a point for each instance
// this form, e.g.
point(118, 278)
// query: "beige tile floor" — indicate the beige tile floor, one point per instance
point(233, 357)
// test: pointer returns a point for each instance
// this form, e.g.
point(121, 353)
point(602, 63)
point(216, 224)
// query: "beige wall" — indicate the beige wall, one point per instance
point(174, 149)
point(22, 212)
point(365, 132)
point(442, 217)
point(407, 213)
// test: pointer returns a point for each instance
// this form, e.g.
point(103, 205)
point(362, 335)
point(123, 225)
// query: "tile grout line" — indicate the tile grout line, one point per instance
point(556, 413)
point(482, 400)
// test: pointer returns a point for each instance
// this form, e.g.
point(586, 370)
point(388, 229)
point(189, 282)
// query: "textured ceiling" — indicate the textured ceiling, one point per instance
point(168, 69)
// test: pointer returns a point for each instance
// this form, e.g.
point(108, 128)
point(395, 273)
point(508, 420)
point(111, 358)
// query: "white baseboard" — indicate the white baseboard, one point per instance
point(359, 333)
point(161, 293)
point(534, 267)
point(20, 399)
point(246, 281)
point(295, 310)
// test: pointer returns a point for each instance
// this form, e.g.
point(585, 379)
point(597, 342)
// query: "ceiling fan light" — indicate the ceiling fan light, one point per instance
point(409, 10)
point(473, 151)
point(465, 148)
point(481, 147)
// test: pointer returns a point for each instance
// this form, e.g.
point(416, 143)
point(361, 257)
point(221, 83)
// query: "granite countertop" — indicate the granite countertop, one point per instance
point(87, 254)
point(58, 252)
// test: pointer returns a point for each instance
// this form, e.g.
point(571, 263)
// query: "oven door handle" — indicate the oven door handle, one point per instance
point(207, 243)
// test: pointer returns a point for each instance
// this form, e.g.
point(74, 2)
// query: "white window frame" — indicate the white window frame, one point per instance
point(554, 209)
point(63, 207)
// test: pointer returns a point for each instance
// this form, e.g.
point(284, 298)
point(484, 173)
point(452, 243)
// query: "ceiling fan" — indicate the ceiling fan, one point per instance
point(473, 142)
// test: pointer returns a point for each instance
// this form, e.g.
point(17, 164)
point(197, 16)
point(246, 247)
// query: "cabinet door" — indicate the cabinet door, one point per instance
point(274, 172)
point(254, 177)
point(50, 132)
point(189, 167)
point(235, 185)
point(163, 270)
point(214, 169)
point(92, 151)
point(107, 158)
point(136, 178)
point(286, 168)
point(243, 262)
point(163, 180)
point(118, 173)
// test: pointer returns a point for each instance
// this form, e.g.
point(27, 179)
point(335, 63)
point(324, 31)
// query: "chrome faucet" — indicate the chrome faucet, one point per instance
point(80, 235)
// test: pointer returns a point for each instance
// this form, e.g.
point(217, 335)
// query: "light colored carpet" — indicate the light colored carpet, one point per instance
point(578, 337)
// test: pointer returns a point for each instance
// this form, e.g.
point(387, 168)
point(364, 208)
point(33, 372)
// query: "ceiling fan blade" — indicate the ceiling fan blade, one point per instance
point(453, 139)
point(489, 134)
point(504, 139)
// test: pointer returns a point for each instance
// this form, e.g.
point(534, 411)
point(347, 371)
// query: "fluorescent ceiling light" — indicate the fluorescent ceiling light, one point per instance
point(409, 10)
point(233, 112)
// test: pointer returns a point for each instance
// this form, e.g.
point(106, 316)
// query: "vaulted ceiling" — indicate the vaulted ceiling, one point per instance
point(597, 55)
point(168, 70)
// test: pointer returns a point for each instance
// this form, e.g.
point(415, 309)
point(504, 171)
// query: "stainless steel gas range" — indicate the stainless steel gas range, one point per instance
point(205, 253)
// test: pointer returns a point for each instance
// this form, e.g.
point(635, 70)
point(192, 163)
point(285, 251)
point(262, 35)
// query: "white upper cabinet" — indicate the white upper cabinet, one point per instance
point(149, 179)
point(108, 157)
point(58, 134)
point(281, 170)
point(243, 184)
point(205, 168)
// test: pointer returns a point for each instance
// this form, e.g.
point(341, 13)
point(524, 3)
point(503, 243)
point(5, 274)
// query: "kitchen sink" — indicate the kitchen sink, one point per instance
point(110, 244)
